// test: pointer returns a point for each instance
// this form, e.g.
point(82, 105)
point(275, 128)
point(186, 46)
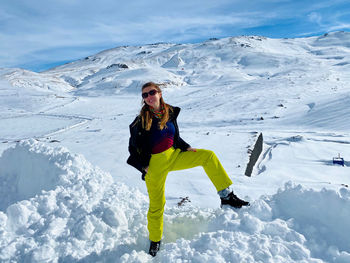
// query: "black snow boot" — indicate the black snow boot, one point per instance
point(154, 248)
point(234, 201)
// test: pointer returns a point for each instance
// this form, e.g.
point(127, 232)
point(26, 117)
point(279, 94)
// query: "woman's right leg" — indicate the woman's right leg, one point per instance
point(156, 192)
point(155, 181)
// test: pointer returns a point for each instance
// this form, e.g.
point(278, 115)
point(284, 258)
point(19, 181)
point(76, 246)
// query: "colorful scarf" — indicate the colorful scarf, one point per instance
point(158, 114)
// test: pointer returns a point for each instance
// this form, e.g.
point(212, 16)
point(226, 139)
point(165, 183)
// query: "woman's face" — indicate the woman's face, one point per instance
point(152, 100)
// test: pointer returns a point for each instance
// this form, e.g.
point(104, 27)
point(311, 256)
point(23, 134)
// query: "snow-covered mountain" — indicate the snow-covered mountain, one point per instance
point(58, 207)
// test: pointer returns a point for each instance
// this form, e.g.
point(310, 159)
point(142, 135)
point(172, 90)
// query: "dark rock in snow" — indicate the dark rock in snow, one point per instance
point(118, 65)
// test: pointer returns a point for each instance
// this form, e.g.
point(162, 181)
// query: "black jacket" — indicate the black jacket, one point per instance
point(139, 142)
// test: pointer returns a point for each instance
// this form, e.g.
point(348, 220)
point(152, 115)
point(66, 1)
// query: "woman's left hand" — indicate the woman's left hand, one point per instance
point(191, 149)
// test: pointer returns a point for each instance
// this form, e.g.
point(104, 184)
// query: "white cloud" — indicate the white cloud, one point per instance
point(315, 17)
point(341, 26)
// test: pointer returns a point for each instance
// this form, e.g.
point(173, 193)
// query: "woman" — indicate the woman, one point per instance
point(156, 148)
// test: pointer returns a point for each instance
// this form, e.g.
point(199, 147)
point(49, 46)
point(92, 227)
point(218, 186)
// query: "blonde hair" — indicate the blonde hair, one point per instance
point(146, 114)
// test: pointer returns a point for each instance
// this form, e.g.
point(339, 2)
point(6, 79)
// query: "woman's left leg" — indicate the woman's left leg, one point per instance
point(209, 161)
point(215, 172)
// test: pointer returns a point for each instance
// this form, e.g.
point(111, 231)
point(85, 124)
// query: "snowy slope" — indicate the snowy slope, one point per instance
point(56, 206)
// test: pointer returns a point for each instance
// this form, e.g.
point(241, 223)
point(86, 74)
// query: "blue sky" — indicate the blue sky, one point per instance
point(37, 35)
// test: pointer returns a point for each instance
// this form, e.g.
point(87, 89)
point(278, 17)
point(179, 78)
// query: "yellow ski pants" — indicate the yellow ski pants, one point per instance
point(172, 160)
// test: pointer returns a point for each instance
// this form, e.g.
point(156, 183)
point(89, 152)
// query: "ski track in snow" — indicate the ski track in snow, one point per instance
point(80, 121)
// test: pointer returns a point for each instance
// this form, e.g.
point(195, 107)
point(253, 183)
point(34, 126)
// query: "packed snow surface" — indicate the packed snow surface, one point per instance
point(67, 194)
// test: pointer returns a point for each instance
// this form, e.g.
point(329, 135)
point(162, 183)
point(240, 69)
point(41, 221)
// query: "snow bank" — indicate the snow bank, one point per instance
point(56, 207)
point(323, 217)
point(294, 225)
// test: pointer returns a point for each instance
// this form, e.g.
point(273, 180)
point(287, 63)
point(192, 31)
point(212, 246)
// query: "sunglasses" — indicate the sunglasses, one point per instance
point(151, 93)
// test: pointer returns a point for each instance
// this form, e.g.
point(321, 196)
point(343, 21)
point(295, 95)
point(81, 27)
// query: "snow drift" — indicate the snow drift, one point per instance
point(57, 207)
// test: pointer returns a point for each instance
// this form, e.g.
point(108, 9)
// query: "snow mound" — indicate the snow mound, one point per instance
point(26, 170)
point(321, 216)
point(294, 225)
point(69, 210)
point(57, 207)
